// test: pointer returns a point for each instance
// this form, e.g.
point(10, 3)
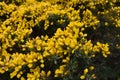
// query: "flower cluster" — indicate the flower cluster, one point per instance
point(40, 38)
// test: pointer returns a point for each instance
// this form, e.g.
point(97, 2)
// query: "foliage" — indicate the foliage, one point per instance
point(59, 39)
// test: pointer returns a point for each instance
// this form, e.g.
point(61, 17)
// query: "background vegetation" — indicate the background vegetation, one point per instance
point(59, 39)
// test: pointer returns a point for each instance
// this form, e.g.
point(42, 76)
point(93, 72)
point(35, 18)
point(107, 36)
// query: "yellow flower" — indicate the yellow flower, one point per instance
point(104, 55)
point(18, 68)
point(42, 61)
point(106, 23)
point(13, 74)
point(22, 78)
point(93, 55)
point(18, 75)
point(38, 48)
point(45, 54)
point(1, 70)
point(42, 65)
point(66, 73)
point(43, 73)
point(58, 71)
point(99, 44)
point(30, 45)
point(82, 77)
point(30, 65)
point(96, 49)
point(86, 52)
point(67, 41)
point(48, 73)
point(91, 67)
point(73, 43)
point(85, 70)
point(56, 75)
point(93, 76)
point(64, 60)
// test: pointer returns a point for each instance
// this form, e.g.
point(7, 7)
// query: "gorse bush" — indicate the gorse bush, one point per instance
point(59, 39)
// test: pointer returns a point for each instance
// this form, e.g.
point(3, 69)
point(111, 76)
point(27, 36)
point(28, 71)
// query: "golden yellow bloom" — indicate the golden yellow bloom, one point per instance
point(58, 71)
point(22, 78)
point(106, 23)
point(18, 75)
point(30, 65)
point(38, 48)
point(64, 60)
point(45, 54)
point(1, 70)
point(13, 74)
point(93, 76)
point(82, 77)
point(85, 70)
point(42, 65)
point(48, 73)
point(96, 49)
point(42, 61)
point(104, 55)
point(91, 67)
point(56, 75)
point(66, 73)
point(43, 73)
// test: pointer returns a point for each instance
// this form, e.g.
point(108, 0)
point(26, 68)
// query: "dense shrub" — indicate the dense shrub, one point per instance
point(59, 39)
